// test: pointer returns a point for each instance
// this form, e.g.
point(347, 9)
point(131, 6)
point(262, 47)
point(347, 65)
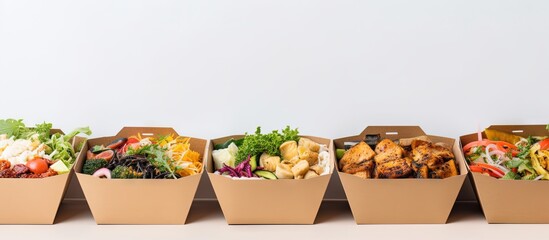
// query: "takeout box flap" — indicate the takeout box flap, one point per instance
point(140, 201)
point(281, 201)
point(392, 201)
point(522, 130)
point(393, 131)
point(511, 201)
point(145, 131)
point(34, 201)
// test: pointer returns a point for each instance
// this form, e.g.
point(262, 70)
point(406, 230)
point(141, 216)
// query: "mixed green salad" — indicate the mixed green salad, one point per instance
point(34, 152)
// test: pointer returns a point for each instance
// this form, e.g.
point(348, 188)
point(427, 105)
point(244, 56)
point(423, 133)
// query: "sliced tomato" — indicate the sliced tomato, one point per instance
point(133, 146)
point(475, 144)
point(132, 140)
point(544, 144)
point(487, 168)
point(500, 145)
point(505, 145)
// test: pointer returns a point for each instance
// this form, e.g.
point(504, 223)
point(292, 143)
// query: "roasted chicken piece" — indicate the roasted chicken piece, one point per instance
point(397, 168)
point(387, 150)
point(358, 160)
point(436, 158)
point(426, 153)
point(448, 169)
point(406, 142)
point(391, 161)
point(421, 171)
point(364, 174)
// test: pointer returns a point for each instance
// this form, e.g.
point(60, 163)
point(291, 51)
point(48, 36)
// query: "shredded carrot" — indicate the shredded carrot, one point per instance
point(186, 161)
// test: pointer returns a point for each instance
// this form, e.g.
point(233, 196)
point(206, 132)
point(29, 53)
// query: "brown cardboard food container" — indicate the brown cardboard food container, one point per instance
point(511, 201)
point(34, 201)
point(139, 201)
point(396, 201)
point(281, 201)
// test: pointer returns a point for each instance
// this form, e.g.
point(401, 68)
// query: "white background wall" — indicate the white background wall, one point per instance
point(213, 68)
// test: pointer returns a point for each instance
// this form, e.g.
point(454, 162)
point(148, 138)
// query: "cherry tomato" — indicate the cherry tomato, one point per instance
point(38, 165)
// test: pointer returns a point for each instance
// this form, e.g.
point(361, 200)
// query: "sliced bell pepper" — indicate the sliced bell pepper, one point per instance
point(486, 168)
point(544, 144)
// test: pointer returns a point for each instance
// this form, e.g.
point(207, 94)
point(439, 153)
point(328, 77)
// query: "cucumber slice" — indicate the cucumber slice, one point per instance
point(253, 162)
point(266, 174)
point(340, 153)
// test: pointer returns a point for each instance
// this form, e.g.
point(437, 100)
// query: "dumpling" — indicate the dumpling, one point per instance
point(288, 150)
point(300, 169)
point(284, 170)
point(308, 155)
point(310, 144)
point(269, 162)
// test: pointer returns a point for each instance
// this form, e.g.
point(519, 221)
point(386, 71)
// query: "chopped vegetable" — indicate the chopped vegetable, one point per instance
point(340, 153)
point(496, 135)
point(124, 172)
point(507, 156)
point(259, 143)
point(244, 169)
point(37, 149)
point(38, 165)
point(274, 155)
point(102, 173)
point(544, 144)
point(60, 167)
point(225, 156)
point(487, 169)
point(92, 165)
point(150, 157)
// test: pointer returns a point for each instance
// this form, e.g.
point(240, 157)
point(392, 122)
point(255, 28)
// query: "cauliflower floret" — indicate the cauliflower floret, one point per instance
point(324, 161)
point(17, 152)
point(225, 156)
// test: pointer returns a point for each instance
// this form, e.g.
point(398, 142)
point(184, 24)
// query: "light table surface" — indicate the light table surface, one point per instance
point(334, 221)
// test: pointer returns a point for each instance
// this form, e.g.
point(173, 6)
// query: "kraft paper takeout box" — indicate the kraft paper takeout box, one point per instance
point(280, 201)
point(34, 201)
point(139, 201)
point(511, 201)
point(395, 201)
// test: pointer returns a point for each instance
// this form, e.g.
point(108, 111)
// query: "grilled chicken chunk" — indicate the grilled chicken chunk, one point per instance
point(434, 157)
point(421, 159)
point(448, 169)
point(397, 168)
point(426, 153)
point(387, 150)
point(391, 160)
point(358, 160)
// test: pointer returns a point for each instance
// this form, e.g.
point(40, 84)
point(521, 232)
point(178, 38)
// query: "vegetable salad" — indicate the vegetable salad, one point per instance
point(507, 156)
point(275, 155)
point(143, 157)
point(34, 152)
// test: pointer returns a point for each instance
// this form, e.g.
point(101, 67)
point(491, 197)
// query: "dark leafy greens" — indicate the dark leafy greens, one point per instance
point(156, 156)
